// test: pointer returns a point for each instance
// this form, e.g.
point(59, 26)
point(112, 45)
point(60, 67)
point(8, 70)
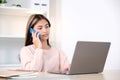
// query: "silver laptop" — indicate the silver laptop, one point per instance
point(89, 57)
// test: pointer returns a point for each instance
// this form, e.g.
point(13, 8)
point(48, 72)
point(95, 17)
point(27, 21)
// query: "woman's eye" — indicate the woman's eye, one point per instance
point(39, 28)
point(47, 26)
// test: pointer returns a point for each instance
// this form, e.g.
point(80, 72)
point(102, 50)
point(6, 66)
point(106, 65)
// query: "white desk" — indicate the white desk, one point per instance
point(106, 75)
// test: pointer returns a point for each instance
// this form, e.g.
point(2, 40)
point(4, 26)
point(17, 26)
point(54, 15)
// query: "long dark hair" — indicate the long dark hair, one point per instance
point(31, 23)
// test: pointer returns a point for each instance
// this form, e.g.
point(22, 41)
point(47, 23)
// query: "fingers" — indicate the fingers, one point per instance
point(33, 35)
point(36, 35)
point(66, 69)
point(36, 41)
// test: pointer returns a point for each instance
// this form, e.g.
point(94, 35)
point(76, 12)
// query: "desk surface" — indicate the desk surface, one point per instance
point(106, 75)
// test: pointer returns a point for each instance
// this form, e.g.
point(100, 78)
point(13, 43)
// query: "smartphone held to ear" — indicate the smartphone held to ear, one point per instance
point(37, 34)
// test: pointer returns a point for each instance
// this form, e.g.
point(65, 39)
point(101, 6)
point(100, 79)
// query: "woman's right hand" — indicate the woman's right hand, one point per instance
point(36, 41)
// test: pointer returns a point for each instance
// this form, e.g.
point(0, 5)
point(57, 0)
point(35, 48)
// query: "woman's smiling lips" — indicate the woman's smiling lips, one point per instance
point(45, 35)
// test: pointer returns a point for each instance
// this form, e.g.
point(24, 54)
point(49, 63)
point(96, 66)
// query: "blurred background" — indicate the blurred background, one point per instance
point(72, 21)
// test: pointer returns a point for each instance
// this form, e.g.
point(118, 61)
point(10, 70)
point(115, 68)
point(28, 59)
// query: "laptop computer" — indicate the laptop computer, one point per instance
point(89, 57)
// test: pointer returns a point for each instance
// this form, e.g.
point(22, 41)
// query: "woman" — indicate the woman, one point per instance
point(37, 54)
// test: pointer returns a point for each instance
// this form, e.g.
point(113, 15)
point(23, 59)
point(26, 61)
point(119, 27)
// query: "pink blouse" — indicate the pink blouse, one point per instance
point(43, 60)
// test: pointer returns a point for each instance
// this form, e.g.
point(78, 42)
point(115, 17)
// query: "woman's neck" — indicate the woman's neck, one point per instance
point(45, 45)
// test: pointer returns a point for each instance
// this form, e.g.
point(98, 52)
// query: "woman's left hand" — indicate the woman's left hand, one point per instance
point(36, 41)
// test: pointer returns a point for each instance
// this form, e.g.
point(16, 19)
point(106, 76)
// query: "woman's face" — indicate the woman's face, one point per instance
point(43, 28)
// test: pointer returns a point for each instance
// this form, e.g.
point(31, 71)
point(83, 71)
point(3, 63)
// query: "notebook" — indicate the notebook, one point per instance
point(89, 57)
point(16, 73)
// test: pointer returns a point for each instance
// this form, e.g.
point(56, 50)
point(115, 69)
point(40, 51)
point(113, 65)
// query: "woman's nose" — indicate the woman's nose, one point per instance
point(44, 30)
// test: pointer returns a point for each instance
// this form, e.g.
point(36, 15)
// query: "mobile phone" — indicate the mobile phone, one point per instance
point(37, 34)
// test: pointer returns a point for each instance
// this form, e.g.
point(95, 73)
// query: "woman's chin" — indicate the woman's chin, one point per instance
point(44, 39)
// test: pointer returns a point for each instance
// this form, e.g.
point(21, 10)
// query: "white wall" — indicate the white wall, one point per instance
point(92, 20)
point(12, 31)
point(56, 24)
point(9, 50)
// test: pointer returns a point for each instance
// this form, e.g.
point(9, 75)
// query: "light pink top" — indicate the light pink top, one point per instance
point(43, 60)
